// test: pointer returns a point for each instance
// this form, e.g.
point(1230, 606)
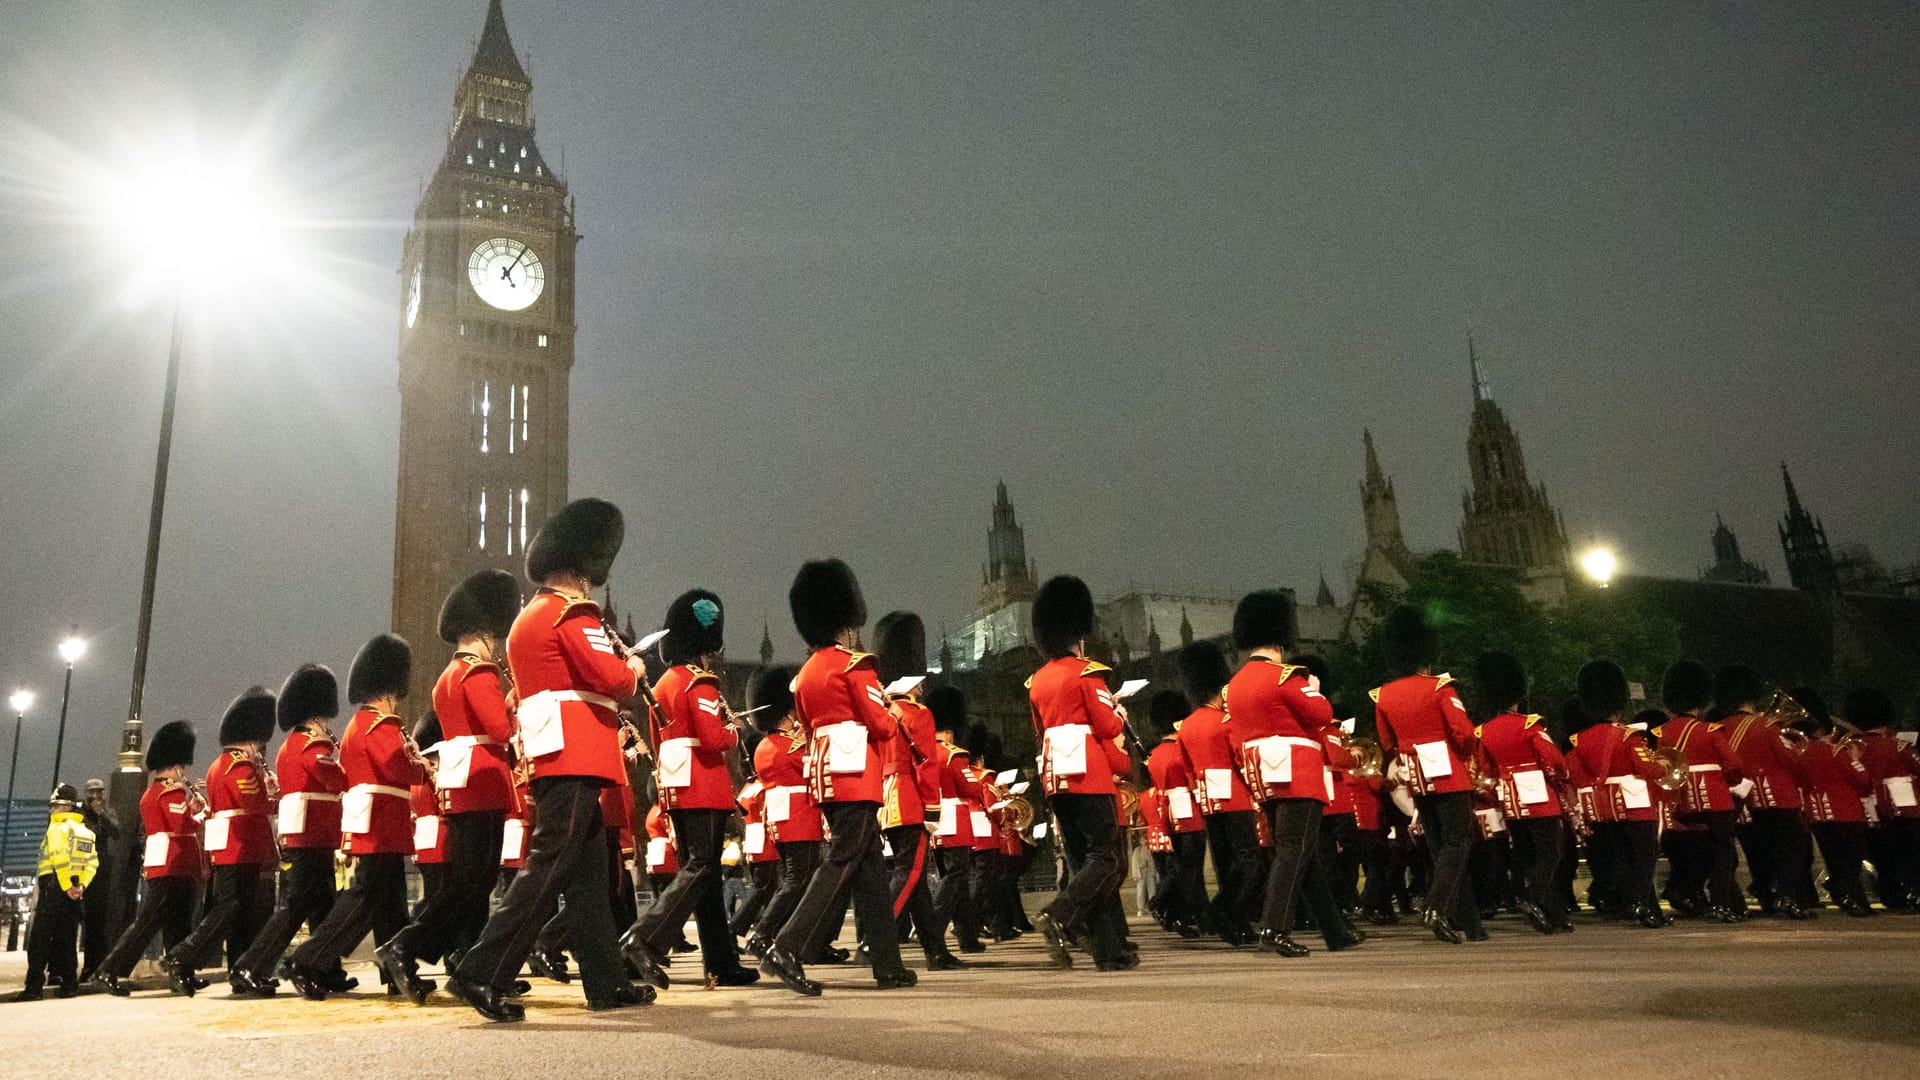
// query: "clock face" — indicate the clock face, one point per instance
point(506, 273)
point(413, 298)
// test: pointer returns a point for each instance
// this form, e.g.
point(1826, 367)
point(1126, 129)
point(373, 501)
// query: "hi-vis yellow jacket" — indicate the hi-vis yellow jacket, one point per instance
point(68, 851)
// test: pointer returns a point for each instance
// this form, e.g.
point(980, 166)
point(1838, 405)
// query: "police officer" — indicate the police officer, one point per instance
point(68, 862)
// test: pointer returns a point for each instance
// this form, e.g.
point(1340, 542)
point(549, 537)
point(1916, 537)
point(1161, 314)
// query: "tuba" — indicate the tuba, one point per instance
point(1673, 768)
point(1791, 716)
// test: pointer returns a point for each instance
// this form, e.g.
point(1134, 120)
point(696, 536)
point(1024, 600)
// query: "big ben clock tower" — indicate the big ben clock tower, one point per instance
point(486, 345)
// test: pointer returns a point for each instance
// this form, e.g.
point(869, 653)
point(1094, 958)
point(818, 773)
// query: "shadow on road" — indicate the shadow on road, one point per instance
point(1868, 1012)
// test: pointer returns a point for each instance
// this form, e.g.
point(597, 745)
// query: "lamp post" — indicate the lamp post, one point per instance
point(71, 650)
point(20, 702)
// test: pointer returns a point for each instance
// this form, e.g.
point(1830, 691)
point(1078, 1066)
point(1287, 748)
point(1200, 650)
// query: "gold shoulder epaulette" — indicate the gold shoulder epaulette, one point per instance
point(1029, 683)
point(1374, 694)
point(1533, 720)
point(855, 659)
point(474, 664)
point(1479, 731)
point(1441, 680)
point(1094, 667)
point(700, 674)
point(573, 605)
point(1573, 739)
point(1288, 671)
point(236, 755)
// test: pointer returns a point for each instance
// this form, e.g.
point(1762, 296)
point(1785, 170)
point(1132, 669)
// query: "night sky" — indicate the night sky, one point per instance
point(845, 265)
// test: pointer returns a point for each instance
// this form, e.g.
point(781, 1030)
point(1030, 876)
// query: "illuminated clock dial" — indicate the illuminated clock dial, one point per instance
point(506, 273)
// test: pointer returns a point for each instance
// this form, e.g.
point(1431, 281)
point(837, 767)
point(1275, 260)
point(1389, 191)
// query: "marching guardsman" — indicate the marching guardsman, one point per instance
point(472, 788)
point(984, 824)
point(382, 765)
point(1777, 842)
point(1239, 865)
point(957, 791)
point(1424, 728)
point(1339, 848)
point(1838, 784)
point(1076, 720)
point(311, 783)
point(1617, 759)
point(1893, 834)
point(763, 855)
point(1287, 739)
point(692, 736)
point(1532, 772)
point(569, 676)
point(1705, 862)
point(1183, 891)
point(792, 818)
point(429, 831)
point(68, 862)
point(239, 835)
point(839, 701)
point(169, 815)
point(900, 651)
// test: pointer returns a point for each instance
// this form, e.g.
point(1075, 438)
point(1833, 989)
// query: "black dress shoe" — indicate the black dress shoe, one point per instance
point(1477, 935)
point(833, 954)
point(1564, 926)
point(338, 981)
point(399, 970)
point(974, 946)
point(28, 995)
point(680, 946)
point(520, 988)
point(488, 1001)
point(781, 965)
point(1353, 939)
point(757, 946)
point(1536, 917)
point(735, 976)
point(1442, 928)
point(944, 961)
point(180, 979)
point(1186, 930)
point(1789, 909)
point(111, 984)
point(311, 984)
point(624, 997)
point(246, 986)
point(1127, 961)
point(1280, 944)
point(1055, 938)
point(644, 960)
point(896, 980)
point(862, 956)
point(549, 964)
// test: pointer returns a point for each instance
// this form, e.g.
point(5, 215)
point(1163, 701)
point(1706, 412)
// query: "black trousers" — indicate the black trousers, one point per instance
point(1843, 845)
point(1539, 847)
point(1090, 837)
point(799, 859)
point(1376, 861)
point(852, 866)
point(1713, 859)
point(1776, 849)
point(166, 908)
point(1448, 820)
point(1487, 867)
point(907, 884)
point(1341, 857)
point(1239, 868)
point(1894, 847)
point(1606, 861)
point(376, 900)
point(451, 915)
point(1008, 911)
point(1297, 872)
point(763, 879)
point(959, 900)
point(234, 917)
point(94, 912)
point(566, 856)
point(696, 890)
point(306, 896)
point(1640, 858)
point(53, 936)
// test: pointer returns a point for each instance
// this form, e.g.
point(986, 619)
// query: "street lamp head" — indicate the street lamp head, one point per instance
point(1599, 564)
point(73, 649)
point(20, 702)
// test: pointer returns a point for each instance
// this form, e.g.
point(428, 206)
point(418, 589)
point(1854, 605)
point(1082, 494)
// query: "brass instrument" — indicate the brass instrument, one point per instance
point(267, 780)
point(1673, 768)
point(1128, 793)
point(1483, 781)
point(197, 804)
point(412, 750)
point(1367, 757)
point(1792, 717)
point(1018, 814)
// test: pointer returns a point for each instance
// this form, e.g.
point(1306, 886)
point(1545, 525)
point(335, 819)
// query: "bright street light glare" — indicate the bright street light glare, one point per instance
point(72, 649)
point(20, 702)
point(1599, 564)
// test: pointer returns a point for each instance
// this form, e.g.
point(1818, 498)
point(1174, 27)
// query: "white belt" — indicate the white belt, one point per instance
point(693, 744)
point(580, 695)
point(311, 796)
point(230, 814)
point(1703, 768)
point(1621, 779)
point(1295, 740)
point(473, 740)
point(380, 789)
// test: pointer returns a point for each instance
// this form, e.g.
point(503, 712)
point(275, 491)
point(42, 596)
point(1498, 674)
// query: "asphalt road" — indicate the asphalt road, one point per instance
point(1834, 998)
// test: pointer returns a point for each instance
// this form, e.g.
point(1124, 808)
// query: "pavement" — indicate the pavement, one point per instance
point(1833, 998)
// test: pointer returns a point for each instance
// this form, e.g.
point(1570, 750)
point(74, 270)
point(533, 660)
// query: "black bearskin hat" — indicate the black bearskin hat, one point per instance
point(770, 696)
point(172, 745)
point(1736, 685)
point(825, 599)
point(1409, 643)
point(382, 666)
point(1501, 680)
point(582, 538)
point(310, 693)
point(1868, 708)
point(1687, 687)
point(900, 643)
point(1062, 616)
point(1264, 619)
point(427, 732)
point(1602, 688)
point(1204, 671)
point(1167, 708)
point(695, 625)
point(949, 708)
point(485, 603)
point(249, 719)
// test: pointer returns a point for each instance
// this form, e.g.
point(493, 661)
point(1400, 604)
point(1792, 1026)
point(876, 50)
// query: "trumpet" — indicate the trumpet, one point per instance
point(1673, 768)
point(1367, 757)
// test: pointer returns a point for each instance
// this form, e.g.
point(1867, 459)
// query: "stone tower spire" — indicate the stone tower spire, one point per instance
point(1009, 576)
point(766, 645)
point(1505, 520)
point(1803, 538)
point(1382, 509)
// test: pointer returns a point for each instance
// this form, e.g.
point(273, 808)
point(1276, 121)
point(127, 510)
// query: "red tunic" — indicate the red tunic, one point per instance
point(986, 826)
point(691, 736)
point(518, 828)
point(909, 752)
point(373, 755)
point(780, 761)
point(562, 657)
point(1171, 775)
point(1211, 761)
point(1424, 711)
point(663, 857)
point(1283, 730)
point(1367, 793)
point(616, 808)
point(1071, 693)
point(1775, 768)
point(1893, 770)
point(1621, 769)
point(1527, 762)
point(839, 686)
point(1153, 814)
point(164, 811)
point(237, 795)
point(1838, 781)
point(1711, 763)
point(756, 844)
point(959, 797)
point(310, 776)
point(473, 713)
point(427, 826)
